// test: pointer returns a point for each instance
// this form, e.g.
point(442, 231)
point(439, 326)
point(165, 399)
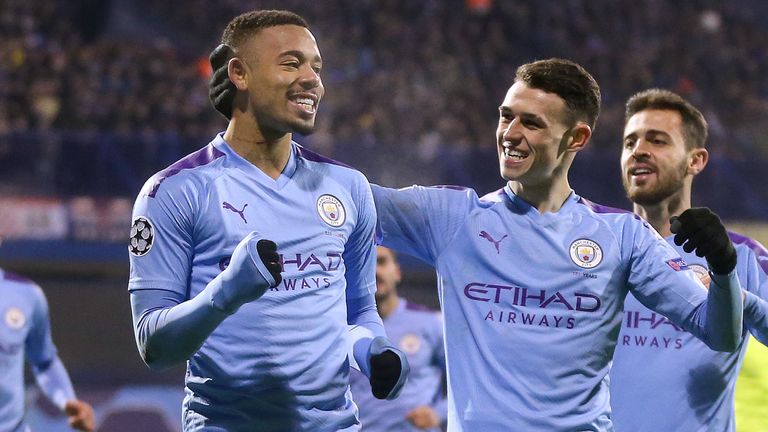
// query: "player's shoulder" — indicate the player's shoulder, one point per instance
point(742, 241)
point(600, 210)
point(494, 197)
point(192, 170)
point(10, 281)
point(10, 278)
point(413, 308)
point(749, 246)
point(623, 223)
point(609, 214)
point(330, 166)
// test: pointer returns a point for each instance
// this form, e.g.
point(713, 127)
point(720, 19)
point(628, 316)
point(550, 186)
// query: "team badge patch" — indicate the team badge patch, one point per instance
point(678, 264)
point(14, 318)
point(702, 273)
point(586, 253)
point(410, 343)
point(142, 236)
point(331, 210)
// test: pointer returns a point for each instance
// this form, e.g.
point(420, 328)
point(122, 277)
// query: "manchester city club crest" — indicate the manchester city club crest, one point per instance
point(14, 318)
point(331, 210)
point(586, 253)
point(702, 273)
point(410, 343)
point(142, 236)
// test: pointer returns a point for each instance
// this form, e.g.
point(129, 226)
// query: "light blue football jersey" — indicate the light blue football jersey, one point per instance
point(279, 363)
point(663, 378)
point(532, 302)
point(24, 331)
point(418, 332)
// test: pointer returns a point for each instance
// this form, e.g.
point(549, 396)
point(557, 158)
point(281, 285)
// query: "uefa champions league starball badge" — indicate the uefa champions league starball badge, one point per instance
point(142, 236)
point(586, 253)
point(331, 210)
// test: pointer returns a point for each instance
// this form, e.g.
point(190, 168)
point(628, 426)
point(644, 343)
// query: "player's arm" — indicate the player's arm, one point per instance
point(169, 329)
point(374, 355)
point(756, 316)
point(50, 374)
point(662, 282)
point(753, 264)
point(385, 366)
point(420, 221)
point(440, 405)
point(432, 415)
point(700, 230)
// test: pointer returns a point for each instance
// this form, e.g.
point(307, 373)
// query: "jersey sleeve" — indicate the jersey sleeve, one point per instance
point(39, 344)
point(658, 277)
point(49, 372)
point(663, 282)
point(420, 221)
point(164, 219)
point(440, 403)
point(360, 250)
point(753, 270)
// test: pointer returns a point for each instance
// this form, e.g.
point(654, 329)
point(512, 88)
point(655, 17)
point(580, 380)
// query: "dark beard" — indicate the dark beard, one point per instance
point(664, 189)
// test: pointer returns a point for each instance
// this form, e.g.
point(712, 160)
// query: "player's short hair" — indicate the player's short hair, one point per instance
point(694, 124)
point(568, 80)
point(246, 25)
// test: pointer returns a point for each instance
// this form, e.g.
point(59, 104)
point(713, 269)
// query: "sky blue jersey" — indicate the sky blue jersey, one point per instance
point(418, 332)
point(25, 331)
point(280, 362)
point(663, 378)
point(532, 302)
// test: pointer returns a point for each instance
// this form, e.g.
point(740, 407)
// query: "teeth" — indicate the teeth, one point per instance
point(641, 171)
point(307, 102)
point(514, 154)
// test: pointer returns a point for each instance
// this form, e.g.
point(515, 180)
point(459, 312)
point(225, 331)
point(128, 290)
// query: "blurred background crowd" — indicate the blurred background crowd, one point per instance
point(96, 96)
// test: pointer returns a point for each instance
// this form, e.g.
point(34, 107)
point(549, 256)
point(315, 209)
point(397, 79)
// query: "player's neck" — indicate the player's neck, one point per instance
point(658, 214)
point(387, 305)
point(268, 152)
point(545, 197)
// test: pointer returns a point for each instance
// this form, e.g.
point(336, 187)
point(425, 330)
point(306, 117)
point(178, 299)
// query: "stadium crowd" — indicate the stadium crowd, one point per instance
point(412, 85)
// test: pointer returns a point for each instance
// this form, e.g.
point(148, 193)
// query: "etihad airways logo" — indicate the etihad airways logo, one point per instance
point(537, 298)
point(312, 270)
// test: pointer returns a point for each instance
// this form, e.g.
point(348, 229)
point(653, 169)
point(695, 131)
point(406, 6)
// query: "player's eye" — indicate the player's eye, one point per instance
point(531, 124)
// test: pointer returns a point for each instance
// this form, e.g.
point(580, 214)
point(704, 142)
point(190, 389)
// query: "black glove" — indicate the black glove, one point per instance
point(389, 369)
point(267, 250)
point(221, 91)
point(247, 275)
point(705, 232)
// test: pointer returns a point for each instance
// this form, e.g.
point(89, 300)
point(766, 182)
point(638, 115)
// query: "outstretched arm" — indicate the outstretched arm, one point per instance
point(700, 230)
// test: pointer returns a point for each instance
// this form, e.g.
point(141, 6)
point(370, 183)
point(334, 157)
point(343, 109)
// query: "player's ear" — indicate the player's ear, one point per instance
point(697, 160)
point(577, 137)
point(238, 71)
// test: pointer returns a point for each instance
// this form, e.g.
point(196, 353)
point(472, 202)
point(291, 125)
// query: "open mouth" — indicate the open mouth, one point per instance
point(640, 173)
point(514, 154)
point(306, 104)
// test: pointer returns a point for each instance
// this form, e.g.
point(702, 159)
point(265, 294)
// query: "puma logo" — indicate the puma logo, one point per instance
point(488, 237)
point(229, 206)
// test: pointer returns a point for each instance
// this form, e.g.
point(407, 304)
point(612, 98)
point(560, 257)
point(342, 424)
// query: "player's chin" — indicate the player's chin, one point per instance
point(643, 196)
point(509, 174)
point(304, 127)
